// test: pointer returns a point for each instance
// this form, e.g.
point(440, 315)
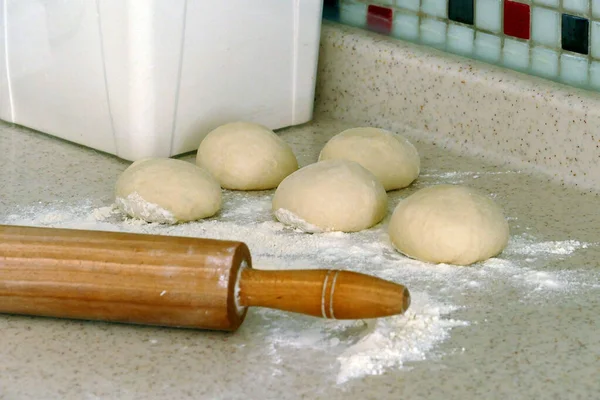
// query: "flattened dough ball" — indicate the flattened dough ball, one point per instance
point(167, 191)
point(246, 156)
point(389, 156)
point(335, 195)
point(449, 224)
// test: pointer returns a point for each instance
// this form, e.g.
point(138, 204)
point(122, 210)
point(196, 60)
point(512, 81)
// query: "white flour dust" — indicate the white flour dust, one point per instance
point(458, 177)
point(354, 348)
point(289, 218)
point(134, 204)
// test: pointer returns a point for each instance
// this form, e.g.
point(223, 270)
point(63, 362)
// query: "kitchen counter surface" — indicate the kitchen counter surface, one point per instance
point(531, 332)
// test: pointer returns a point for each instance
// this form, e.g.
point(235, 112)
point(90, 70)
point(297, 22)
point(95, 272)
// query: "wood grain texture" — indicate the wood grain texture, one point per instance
point(323, 293)
point(121, 277)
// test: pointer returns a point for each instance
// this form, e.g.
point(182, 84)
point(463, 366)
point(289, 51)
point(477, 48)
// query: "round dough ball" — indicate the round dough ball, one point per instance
point(167, 191)
point(448, 224)
point(390, 157)
point(335, 195)
point(246, 156)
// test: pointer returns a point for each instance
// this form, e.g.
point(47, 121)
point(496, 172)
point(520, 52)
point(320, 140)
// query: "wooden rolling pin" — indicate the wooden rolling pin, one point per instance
point(170, 281)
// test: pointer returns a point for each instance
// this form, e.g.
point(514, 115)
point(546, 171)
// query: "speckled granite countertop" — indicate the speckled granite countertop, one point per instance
point(533, 329)
point(524, 341)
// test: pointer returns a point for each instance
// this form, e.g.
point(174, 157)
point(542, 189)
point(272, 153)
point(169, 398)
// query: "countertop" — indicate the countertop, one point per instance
point(531, 331)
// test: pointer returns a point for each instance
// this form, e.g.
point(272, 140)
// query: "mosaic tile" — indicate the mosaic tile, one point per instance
point(545, 26)
point(488, 15)
point(575, 34)
point(379, 19)
point(461, 11)
point(577, 6)
point(549, 3)
point(515, 54)
point(331, 9)
point(595, 8)
point(595, 42)
point(460, 39)
point(433, 32)
point(517, 17)
point(544, 62)
point(595, 75)
point(412, 5)
point(353, 14)
point(488, 47)
point(406, 26)
point(574, 69)
point(435, 8)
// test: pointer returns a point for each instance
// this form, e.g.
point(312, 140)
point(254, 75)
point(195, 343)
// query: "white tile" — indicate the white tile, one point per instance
point(574, 70)
point(433, 32)
point(544, 62)
point(460, 39)
point(579, 6)
point(595, 43)
point(595, 8)
point(488, 15)
point(487, 47)
point(595, 75)
point(354, 14)
point(406, 26)
point(412, 5)
point(545, 27)
point(515, 54)
point(385, 2)
point(436, 8)
point(550, 3)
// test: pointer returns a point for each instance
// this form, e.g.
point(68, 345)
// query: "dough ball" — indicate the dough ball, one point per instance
point(390, 157)
point(335, 195)
point(246, 156)
point(167, 191)
point(448, 224)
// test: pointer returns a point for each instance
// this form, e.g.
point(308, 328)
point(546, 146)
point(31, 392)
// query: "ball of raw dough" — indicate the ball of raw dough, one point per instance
point(390, 157)
point(246, 156)
point(335, 195)
point(448, 224)
point(167, 191)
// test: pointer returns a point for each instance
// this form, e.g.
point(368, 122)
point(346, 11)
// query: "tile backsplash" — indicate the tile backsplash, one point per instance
point(553, 39)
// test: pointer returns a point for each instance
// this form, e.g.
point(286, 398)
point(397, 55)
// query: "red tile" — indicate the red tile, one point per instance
point(379, 19)
point(517, 18)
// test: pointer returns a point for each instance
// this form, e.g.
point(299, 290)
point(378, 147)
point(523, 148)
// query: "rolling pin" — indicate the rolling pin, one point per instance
point(170, 281)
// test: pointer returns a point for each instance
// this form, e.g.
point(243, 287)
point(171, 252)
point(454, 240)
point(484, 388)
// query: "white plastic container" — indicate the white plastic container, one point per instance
point(139, 78)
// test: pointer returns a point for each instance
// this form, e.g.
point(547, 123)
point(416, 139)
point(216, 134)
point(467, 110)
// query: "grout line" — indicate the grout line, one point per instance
point(561, 11)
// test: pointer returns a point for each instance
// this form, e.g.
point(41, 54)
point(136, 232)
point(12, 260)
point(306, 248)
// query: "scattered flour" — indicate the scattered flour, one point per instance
point(391, 342)
point(289, 218)
point(356, 348)
point(134, 204)
point(457, 177)
point(529, 246)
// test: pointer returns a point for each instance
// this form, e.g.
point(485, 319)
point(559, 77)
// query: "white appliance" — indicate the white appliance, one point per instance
point(140, 78)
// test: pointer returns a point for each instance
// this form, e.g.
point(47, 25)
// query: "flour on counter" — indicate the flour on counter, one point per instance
point(355, 348)
point(289, 218)
point(458, 177)
point(134, 204)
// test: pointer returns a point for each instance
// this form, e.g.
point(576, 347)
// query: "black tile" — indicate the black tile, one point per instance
point(331, 9)
point(461, 11)
point(575, 33)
